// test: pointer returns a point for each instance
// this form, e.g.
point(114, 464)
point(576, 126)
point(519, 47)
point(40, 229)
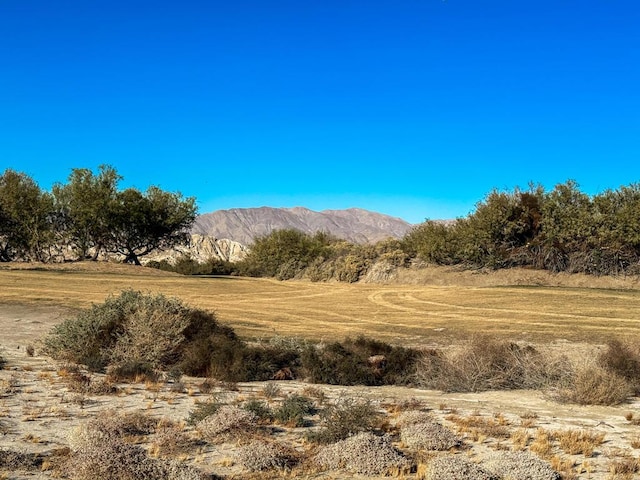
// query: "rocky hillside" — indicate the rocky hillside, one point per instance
point(243, 225)
point(201, 249)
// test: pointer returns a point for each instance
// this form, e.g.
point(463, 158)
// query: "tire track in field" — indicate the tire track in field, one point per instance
point(378, 299)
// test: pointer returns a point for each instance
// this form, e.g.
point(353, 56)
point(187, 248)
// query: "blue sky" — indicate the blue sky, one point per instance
point(414, 108)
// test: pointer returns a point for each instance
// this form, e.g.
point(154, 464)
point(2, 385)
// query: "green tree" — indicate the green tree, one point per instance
point(140, 223)
point(285, 253)
point(25, 218)
point(83, 205)
point(568, 226)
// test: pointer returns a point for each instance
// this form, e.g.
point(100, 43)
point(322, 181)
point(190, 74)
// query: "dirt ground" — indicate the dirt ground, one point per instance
point(38, 411)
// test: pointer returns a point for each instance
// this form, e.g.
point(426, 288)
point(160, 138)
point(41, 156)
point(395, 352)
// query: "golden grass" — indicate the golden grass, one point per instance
point(409, 314)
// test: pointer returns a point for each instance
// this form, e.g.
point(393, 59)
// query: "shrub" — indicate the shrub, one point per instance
point(98, 453)
point(455, 467)
point(259, 408)
point(595, 386)
point(132, 327)
point(260, 455)
point(428, 436)
point(293, 410)
point(346, 417)
point(3, 362)
point(623, 360)
point(203, 410)
point(521, 465)
point(484, 363)
point(347, 363)
point(364, 453)
point(227, 422)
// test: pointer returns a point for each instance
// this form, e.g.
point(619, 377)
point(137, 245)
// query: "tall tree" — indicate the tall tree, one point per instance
point(83, 205)
point(25, 218)
point(140, 223)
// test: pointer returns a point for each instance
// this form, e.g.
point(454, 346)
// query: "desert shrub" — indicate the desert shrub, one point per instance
point(593, 385)
point(521, 465)
point(428, 436)
point(484, 363)
point(202, 410)
point(121, 424)
point(623, 360)
point(293, 410)
point(97, 453)
point(132, 327)
point(413, 416)
point(455, 467)
point(170, 438)
point(228, 421)
point(260, 408)
point(260, 455)
point(348, 363)
point(348, 416)
point(13, 461)
point(364, 453)
point(3, 361)
point(133, 370)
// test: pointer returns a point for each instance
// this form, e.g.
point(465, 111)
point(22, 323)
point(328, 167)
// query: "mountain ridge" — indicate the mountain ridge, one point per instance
point(244, 225)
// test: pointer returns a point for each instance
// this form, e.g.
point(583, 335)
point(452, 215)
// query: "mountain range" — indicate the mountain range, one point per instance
point(243, 225)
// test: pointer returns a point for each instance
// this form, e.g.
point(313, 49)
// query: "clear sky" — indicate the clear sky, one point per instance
point(414, 108)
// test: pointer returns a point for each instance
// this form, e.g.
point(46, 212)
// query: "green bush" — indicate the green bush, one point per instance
point(293, 410)
point(260, 408)
point(137, 329)
point(202, 410)
point(347, 417)
point(348, 363)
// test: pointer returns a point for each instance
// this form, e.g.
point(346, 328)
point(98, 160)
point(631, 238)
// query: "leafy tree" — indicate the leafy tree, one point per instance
point(83, 205)
point(285, 253)
point(25, 218)
point(140, 223)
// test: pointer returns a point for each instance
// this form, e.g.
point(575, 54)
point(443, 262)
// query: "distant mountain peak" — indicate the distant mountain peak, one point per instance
point(356, 225)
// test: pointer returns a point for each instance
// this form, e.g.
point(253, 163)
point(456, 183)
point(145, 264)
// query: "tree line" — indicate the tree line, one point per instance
point(87, 217)
point(562, 230)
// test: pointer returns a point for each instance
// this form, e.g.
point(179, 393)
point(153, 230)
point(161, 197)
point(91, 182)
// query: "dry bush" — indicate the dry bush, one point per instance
point(622, 359)
point(477, 426)
point(593, 385)
point(542, 444)
point(13, 461)
point(228, 421)
point(123, 424)
point(428, 436)
point(455, 467)
point(521, 465)
point(260, 455)
point(520, 439)
point(411, 417)
point(624, 467)
point(100, 451)
point(364, 453)
point(9, 386)
point(579, 442)
point(170, 438)
point(485, 363)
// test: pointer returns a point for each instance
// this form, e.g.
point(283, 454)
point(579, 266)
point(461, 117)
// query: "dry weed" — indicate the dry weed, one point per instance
point(579, 442)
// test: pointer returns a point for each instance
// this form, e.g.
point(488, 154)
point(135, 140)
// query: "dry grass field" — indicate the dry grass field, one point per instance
point(45, 405)
point(520, 305)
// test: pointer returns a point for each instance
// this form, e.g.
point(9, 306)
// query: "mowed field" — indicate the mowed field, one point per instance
point(404, 314)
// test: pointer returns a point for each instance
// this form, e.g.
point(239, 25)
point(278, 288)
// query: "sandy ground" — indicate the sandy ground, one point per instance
point(37, 410)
